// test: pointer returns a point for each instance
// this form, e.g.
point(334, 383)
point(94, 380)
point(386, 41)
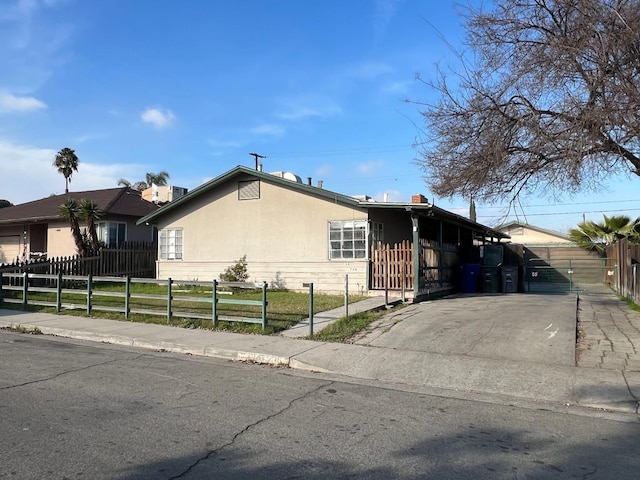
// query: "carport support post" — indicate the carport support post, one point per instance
point(415, 224)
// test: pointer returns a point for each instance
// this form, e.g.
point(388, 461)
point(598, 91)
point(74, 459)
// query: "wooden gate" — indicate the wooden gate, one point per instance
point(392, 266)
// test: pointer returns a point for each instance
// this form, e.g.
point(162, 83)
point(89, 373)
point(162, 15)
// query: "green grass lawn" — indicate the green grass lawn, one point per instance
point(284, 308)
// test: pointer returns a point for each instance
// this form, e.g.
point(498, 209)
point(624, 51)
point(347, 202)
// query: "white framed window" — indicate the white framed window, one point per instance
point(347, 239)
point(171, 244)
point(111, 233)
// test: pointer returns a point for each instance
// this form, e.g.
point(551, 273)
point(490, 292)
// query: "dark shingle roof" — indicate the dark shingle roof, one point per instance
point(111, 201)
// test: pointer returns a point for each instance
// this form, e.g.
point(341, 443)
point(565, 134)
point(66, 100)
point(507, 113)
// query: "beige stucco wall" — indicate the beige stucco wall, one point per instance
point(284, 235)
point(526, 236)
point(59, 240)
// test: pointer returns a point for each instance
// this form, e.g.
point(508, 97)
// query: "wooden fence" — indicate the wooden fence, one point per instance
point(392, 266)
point(627, 258)
point(133, 259)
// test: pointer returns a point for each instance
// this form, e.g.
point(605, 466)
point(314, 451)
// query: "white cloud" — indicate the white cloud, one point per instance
point(297, 110)
point(385, 11)
point(399, 87)
point(367, 168)
point(368, 70)
point(323, 170)
point(225, 143)
point(30, 175)
point(269, 129)
point(12, 103)
point(391, 196)
point(158, 117)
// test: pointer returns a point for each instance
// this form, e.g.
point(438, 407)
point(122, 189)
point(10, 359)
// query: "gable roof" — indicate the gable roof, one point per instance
point(515, 224)
point(220, 179)
point(111, 201)
point(334, 197)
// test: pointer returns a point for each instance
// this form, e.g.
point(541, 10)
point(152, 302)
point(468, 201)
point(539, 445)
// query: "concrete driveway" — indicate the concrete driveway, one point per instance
point(520, 327)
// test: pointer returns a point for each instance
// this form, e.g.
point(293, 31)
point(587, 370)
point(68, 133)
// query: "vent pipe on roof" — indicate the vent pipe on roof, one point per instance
point(308, 180)
point(319, 183)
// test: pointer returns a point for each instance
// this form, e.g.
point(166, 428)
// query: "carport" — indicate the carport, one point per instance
point(424, 248)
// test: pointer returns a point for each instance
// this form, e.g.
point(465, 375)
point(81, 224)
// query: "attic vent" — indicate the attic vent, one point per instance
point(248, 189)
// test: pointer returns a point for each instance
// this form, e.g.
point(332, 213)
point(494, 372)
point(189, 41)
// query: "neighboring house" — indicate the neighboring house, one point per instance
point(551, 262)
point(525, 234)
point(36, 229)
point(163, 193)
point(293, 233)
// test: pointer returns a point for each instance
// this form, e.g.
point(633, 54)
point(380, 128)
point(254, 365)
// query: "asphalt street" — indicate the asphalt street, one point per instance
point(74, 409)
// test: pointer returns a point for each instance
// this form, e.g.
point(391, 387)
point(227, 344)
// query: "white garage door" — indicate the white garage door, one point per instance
point(9, 248)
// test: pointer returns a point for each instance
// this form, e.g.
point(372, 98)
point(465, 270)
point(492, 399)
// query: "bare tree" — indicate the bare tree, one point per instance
point(550, 101)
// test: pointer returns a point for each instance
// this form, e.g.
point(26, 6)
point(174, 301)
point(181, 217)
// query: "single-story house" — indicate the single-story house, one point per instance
point(525, 234)
point(293, 233)
point(36, 229)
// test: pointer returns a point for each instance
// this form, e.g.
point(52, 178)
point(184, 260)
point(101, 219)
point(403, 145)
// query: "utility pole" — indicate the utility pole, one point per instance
point(257, 156)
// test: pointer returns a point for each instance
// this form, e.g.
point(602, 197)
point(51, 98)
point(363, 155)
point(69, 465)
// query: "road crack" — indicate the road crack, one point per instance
point(61, 374)
point(249, 427)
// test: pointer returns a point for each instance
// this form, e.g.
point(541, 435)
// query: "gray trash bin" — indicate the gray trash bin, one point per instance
point(509, 279)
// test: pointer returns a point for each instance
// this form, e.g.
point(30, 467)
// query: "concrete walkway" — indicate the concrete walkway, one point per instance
point(609, 334)
point(458, 373)
point(324, 319)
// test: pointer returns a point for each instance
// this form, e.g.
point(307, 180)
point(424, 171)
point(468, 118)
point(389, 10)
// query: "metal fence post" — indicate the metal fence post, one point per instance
point(214, 304)
point(25, 288)
point(127, 297)
point(311, 308)
point(59, 292)
point(89, 285)
point(264, 305)
point(1, 283)
point(346, 295)
point(169, 297)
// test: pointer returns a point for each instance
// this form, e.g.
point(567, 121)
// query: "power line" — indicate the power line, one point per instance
point(568, 213)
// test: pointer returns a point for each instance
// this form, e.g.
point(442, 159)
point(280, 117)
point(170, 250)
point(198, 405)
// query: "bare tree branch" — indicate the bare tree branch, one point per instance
point(550, 101)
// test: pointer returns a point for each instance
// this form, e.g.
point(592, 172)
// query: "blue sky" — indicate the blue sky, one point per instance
point(192, 87)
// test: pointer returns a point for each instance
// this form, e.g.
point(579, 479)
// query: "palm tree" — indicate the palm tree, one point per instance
point(90, 212)
point(151, 178)
point(66, 162)
point(70, 210)
point(159, 178)
point(597, 236)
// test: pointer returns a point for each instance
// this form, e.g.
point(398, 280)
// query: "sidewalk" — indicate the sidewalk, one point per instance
point(603, 388)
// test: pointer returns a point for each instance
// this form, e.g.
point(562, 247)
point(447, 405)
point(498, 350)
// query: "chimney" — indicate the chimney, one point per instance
point(319, 183)
point(308, 180)
point(419, 198)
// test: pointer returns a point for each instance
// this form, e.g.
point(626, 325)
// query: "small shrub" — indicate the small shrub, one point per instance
point(236, 272)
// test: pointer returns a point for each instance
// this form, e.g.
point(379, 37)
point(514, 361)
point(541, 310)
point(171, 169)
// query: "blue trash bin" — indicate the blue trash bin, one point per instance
point(470, 277)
